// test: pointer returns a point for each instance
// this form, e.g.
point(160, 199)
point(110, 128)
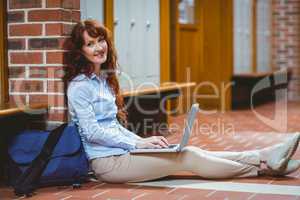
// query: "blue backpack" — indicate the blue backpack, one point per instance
point(65, 161)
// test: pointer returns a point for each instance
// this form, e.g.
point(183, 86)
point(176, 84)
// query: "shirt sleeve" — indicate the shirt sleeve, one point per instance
point(129, 133)
point(79, 99)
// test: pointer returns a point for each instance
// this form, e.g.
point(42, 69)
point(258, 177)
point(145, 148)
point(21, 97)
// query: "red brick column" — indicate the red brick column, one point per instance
point(286, 41)
point(37, 30)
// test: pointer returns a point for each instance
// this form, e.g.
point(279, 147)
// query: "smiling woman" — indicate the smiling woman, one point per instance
point(96, 107)
point(3, 56)
point(95, 50)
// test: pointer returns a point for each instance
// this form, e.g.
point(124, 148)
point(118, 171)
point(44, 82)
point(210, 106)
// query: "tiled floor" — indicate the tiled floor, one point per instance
point(232, 131)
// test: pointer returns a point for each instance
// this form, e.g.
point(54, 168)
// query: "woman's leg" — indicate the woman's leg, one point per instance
point(277, 152)
point(143, 167)
point(248, 157)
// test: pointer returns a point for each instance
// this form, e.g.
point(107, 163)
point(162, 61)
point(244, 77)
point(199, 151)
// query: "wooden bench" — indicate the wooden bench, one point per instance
point(244, 84)
point(8, 109)
point(14, 119)
point(146, 106)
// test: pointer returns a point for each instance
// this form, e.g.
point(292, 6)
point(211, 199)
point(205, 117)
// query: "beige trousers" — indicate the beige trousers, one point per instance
point(150, 166)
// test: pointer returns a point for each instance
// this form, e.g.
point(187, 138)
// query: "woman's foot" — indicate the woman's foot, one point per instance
point(278, 156)
point(292, 166)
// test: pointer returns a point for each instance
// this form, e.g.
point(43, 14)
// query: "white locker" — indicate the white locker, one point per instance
point(242, 36)
point(122, 41)
point(152, 50)
point(137, 41)
point(263, 35)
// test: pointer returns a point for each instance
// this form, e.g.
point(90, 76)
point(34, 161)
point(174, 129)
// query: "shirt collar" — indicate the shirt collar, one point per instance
point(94, 76)
point(101, 77)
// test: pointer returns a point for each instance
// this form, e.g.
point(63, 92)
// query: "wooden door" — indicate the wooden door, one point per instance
point(203, 53)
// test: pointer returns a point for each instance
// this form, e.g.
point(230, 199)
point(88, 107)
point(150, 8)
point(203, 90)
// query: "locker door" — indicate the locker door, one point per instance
point(137, 39)
point(242, 38)
point(152, 41)
point(121, 33)
point(263, 35)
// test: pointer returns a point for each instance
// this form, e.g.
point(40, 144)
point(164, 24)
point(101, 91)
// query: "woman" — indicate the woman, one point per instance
point(96, 106)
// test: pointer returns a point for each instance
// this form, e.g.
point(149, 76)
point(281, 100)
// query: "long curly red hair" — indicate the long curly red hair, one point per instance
point(78, 64)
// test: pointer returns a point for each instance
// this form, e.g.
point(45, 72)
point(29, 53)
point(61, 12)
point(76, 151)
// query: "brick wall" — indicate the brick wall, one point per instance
point(37, 30)
point(286, 41)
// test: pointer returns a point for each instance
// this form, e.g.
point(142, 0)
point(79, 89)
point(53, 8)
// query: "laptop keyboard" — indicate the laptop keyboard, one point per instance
point(172, 145)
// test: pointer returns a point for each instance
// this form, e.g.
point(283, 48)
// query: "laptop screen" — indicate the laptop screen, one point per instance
point(189, 125)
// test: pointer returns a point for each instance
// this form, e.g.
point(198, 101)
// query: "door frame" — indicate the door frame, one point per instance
point(4, 93)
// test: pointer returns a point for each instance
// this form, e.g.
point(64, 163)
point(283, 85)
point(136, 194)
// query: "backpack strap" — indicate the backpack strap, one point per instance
point(27, 181)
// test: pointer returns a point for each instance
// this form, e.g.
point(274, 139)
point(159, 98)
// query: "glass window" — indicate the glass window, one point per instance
point(186, 10)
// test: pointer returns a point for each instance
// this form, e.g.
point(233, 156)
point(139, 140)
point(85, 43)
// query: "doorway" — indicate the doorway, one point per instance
point(202, 51)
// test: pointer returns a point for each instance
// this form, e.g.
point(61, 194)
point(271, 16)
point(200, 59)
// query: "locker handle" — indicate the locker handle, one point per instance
point(132, 22)
point(148, 24)
point(116, 21)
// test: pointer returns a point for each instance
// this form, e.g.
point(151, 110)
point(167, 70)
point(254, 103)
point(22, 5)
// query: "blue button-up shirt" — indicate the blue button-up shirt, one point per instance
point(92, 107)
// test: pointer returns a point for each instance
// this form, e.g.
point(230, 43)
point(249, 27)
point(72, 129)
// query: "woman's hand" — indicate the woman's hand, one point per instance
point(153, 142)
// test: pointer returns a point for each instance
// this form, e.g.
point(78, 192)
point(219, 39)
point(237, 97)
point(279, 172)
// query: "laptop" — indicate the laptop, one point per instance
point(185, 137)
